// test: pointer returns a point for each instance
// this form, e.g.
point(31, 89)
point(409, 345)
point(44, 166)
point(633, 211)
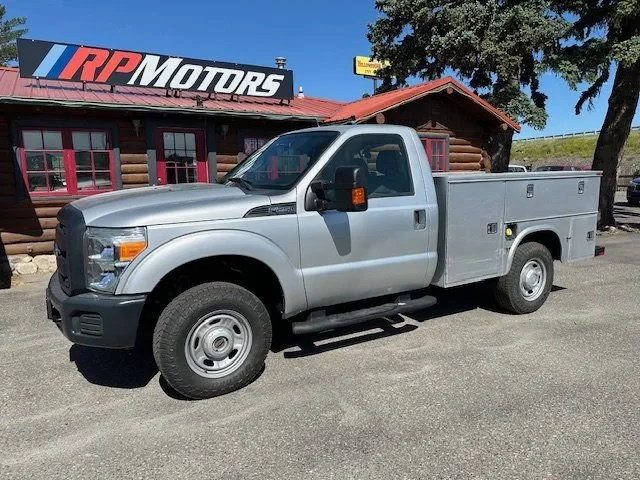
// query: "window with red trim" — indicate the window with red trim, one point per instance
point(92, 160)
point(436, 149)
point(66, 161)
point(251, 144)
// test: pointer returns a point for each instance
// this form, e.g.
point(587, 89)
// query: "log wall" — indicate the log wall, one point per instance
point(225, 164)
point(7, 173)
point(439, 114)
point(28, 225)
point(133, 156)
point(229, 145)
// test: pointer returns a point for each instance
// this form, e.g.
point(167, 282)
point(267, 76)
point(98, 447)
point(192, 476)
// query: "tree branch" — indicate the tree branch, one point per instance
point(593, 90)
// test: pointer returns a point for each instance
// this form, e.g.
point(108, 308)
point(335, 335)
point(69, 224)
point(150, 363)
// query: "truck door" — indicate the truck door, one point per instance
point(347, 256)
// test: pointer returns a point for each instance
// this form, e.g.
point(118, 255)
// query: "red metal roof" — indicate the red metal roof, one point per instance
point(13, 88)
point(368, 107)
point(17, 89)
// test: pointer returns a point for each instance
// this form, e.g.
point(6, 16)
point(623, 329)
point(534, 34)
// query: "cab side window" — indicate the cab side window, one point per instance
point(383, 157)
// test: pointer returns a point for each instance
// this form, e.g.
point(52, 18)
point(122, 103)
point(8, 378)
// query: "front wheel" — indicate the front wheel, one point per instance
point(527, 284)
point(212, 339)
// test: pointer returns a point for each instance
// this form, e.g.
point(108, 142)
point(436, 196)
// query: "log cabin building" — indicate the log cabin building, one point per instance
point(62, 140)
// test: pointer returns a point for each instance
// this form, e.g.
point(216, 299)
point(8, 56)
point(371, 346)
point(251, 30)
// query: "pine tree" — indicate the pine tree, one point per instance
point(8, 36)
point(604, 37)
point(497, 46)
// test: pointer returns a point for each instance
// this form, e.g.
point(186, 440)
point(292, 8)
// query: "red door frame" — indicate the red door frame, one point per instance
point(202, 167)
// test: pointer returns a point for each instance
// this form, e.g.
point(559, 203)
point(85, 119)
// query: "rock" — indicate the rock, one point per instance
point(26, 268)
point(44, 261)
point(19, 258)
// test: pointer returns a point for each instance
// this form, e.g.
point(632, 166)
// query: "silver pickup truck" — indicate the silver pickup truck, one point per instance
point(320, 228)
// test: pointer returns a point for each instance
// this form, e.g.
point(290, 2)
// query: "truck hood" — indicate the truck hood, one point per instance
point(167, 204)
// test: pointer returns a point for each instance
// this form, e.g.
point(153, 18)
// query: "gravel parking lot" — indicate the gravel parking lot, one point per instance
point(458, 391)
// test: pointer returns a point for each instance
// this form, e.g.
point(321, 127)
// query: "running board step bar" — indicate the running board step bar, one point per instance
point(317, 321)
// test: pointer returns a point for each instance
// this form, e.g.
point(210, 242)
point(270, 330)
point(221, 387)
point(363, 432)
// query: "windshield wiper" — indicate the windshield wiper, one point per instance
point(247, 184)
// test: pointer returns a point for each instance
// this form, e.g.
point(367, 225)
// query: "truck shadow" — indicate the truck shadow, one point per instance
point(128, 369)
point(114, 368)
point(450, 302)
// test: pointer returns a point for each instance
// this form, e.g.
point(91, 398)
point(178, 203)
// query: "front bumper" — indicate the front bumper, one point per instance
point(93, 319)
point(633, 195)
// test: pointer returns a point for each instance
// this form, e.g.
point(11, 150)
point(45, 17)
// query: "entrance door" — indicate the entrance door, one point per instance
point(181, 157)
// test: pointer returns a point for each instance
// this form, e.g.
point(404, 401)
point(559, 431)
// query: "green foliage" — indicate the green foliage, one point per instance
point(495, 45)
point(578, 148)
point(604, 31)
point(8, 35)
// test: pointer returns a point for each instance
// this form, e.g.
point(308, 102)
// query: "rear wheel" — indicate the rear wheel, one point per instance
point(526, 286)
point(212, 339)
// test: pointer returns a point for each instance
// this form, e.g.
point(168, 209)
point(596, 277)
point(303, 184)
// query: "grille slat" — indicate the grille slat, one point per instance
point(91, 324)
point(68, 250)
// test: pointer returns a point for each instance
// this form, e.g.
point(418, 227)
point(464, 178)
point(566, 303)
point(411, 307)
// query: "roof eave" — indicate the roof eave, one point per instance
point(159, 109)
point(500, 116)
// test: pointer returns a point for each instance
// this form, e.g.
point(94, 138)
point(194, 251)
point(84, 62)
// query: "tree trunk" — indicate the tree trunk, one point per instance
point(613, 135)
point(499, 148)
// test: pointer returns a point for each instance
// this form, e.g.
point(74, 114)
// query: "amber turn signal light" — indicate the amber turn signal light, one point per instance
point(357, 196)
point(130, 250)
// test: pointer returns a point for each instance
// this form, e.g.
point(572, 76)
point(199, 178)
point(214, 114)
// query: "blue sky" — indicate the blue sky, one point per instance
point(319, 39)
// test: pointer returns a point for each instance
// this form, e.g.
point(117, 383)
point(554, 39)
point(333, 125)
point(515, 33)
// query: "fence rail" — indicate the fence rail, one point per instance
point(567, 135)
point(623, 181)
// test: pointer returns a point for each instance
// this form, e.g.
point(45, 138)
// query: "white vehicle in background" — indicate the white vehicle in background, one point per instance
point(517, 169)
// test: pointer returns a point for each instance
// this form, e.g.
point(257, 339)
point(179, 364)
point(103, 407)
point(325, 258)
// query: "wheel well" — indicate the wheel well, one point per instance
point(547, 238)
point(247, 272)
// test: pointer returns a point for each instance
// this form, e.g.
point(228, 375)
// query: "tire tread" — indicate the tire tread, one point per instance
point(167, 330)
point(507, 288)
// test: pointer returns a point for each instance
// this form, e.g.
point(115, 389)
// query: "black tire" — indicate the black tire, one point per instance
point(633, 203)
point(508, 292)
point(186, 313)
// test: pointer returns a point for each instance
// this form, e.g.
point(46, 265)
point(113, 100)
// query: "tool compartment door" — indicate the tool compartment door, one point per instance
point(474, 231)
point(582, 237)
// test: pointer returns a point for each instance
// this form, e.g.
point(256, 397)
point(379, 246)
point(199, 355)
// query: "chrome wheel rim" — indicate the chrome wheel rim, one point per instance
point(218, 343)
point(533, 278)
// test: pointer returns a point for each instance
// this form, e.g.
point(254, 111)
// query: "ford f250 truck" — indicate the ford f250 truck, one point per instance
point(320, 228)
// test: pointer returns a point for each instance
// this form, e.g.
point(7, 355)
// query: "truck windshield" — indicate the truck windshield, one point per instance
point(282, 162)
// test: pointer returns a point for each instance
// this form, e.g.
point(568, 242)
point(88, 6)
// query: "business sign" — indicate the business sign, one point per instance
point(62, 61)
point(367, 67)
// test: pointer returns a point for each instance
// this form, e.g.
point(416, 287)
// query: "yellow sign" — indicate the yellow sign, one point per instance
point(367, 67)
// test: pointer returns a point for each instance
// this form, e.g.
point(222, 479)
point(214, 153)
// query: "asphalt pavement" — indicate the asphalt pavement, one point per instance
point(458, 391)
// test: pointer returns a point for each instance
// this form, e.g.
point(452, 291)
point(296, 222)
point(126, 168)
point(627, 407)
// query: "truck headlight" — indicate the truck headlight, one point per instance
point(108, 252)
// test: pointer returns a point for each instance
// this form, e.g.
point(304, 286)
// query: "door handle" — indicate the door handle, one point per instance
point(419, 219)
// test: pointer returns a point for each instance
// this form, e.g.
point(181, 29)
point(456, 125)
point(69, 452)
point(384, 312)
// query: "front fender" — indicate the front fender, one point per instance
point(143, 275)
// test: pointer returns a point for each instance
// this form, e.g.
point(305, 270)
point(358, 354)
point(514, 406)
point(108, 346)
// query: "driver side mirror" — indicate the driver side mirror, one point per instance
point(351, 189)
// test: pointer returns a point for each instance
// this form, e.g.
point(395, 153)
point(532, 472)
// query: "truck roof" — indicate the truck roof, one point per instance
point(386, 128)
